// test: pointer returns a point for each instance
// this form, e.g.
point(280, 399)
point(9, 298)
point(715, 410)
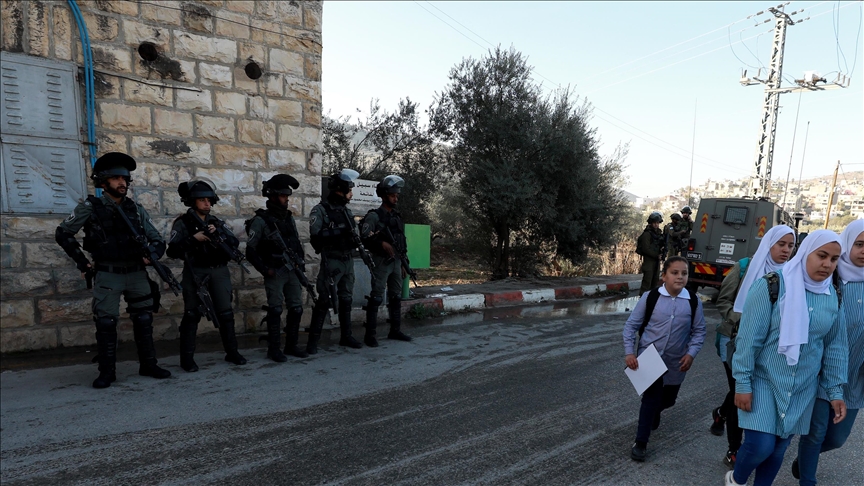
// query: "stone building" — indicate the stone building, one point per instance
point(224, 89)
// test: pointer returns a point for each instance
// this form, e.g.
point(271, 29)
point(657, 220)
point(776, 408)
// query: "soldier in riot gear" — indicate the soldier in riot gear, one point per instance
point(684, 228)
point(651, 246)
point(383, 233)
point(332, 233)
point(671, 237)
point(118, 264)
point(265, 254)
point(206, 265)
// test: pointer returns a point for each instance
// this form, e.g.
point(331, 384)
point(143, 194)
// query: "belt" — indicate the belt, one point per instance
point(118, 269)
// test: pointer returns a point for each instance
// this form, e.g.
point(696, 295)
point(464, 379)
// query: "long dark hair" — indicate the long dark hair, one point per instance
point(673, 259)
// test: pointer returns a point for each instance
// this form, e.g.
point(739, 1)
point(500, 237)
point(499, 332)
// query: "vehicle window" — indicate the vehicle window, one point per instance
point(735, 215)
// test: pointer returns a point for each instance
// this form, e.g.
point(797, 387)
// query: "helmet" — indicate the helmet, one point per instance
point(655, 217)
point(195, 189)
point(342, 181)
point(686, 210)
point(391, 184)
point(113, 164)
point(279, 184)
point(676, 217)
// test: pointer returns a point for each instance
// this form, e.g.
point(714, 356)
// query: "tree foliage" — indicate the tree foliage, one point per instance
point(528, 165)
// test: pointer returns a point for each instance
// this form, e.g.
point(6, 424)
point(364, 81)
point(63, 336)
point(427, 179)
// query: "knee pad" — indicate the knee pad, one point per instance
point(142, 319)
point(226, 316)
point(274, 311)
point(192, 316)
point(394, 301)
point(106, 324)
point(374, 302)
point(296, 310)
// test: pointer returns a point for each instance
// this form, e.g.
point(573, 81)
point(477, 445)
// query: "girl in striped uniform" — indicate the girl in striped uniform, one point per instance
point(784, 352)
point(825, 434)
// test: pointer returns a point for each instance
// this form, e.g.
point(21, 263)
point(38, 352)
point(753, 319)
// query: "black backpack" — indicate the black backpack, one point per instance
point(651, 302)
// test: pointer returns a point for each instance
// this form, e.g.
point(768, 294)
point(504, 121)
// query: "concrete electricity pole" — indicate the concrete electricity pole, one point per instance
point(771, 102)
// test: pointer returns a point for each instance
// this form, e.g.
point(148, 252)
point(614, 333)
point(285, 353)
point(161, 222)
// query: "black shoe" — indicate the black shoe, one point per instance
point(153, 370)
point(369, 340)
point(188, 364)
point(729, 460)
point(656, 423)
point(795, 472)
point(637, 452)
point(276, 355)
point(350, 342)
point(296, 352)
point(719, 422)
point(104, 379)
point(399, 336)
point(235, 357)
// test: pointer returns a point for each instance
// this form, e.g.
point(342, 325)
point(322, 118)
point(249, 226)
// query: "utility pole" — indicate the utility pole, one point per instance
point(771, 101)
point(831, 195)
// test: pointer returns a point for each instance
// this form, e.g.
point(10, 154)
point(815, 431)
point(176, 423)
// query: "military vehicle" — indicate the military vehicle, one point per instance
point(726, 230)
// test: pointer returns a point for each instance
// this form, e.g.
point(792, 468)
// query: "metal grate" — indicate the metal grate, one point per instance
point(735, 215)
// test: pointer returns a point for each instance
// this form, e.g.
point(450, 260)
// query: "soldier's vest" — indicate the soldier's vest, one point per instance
point(335, 236)
point(205, 255)
point(106, 235)
point(268, 249)
point(392, 220)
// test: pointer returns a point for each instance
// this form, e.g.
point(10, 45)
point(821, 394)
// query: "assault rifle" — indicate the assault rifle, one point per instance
point(329, 284)
point(206, 307)
point(293, 263)
point(150, 254)
point(403, 255)
point(364, 253)
point(217, 239)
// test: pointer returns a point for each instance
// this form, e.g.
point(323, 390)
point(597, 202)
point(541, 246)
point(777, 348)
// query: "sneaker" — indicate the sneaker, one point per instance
point(637, 452)
point(795, 472)
point(729, 460)
point(719, 422)
point(728, 480)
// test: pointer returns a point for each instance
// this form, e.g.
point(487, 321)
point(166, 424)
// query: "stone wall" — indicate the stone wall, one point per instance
point(192, 111)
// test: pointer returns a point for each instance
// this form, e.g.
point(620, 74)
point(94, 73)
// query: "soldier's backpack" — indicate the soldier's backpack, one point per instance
point(651, 302)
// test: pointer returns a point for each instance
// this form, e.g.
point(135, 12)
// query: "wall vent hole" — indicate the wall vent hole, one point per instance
point(253, 70)
point(148, 51)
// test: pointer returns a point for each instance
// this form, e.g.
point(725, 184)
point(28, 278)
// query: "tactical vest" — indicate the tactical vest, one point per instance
point(392, 220)
point(269, 249)
point(336, 235)
point(106, 235)
point(204, 254)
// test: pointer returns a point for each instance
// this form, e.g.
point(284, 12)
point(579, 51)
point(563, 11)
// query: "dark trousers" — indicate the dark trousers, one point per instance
point(730, 411)
point(655, 399)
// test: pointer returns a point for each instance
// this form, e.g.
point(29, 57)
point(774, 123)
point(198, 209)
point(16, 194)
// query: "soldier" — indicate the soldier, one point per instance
point(118, 264)
point(685, 227)
point(671, 236)
point(333, 234)
point(265, 253)
point(650, 245)
point(192, 240)
point(383, 232)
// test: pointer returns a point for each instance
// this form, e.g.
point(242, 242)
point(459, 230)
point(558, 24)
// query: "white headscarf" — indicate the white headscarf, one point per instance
point(848, 271)
point(794, 315)
point(761, 263)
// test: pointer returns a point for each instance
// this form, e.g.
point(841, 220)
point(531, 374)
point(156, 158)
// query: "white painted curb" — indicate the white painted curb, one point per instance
point(463, 302)
point(539, 295)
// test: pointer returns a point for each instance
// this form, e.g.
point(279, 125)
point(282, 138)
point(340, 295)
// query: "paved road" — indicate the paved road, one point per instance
point(539, 398)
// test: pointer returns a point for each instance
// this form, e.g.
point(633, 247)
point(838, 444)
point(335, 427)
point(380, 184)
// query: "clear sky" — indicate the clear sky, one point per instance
point(646, 67)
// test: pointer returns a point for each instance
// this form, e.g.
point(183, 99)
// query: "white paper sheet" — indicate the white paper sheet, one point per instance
point(651, 367)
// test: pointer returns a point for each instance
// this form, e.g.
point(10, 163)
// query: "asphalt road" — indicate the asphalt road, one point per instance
point(535, 399)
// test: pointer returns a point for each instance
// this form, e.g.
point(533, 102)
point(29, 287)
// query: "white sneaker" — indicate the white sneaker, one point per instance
point(730, 481)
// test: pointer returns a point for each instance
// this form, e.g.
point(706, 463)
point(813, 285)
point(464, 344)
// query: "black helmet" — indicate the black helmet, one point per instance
point(342, 181)
point(195, 189)
point(686, 210)
point(391, 184)
point(113, 164)
point(655, 217)
point(279, 184)
point(676, 217)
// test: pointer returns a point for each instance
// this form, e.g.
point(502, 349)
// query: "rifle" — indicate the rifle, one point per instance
point(206, 307)
point(218, 240)
point(364, 253)
point(403, 256)
point(329, 284)
point(293, 263)
point(150, 254)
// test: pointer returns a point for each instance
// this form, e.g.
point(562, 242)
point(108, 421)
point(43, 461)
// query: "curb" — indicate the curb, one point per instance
point(467, 302)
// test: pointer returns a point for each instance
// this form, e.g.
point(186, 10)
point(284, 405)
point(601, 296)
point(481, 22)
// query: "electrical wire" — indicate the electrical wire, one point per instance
point(835, 21)
point(857, 37)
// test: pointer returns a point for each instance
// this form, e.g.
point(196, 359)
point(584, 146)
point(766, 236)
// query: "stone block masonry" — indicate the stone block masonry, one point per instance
point(176, 88)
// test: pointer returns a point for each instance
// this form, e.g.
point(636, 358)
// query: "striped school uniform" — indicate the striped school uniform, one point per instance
point(852, 315)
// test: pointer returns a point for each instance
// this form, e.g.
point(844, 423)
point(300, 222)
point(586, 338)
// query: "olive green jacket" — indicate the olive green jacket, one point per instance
point(726, 300)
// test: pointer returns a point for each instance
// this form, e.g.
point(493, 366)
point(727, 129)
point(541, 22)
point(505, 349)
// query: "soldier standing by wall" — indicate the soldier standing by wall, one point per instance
point(650, 246)
point(383, 232)
point(265, 253)
point(332, 234)
point(205, 264)
point(118, 264)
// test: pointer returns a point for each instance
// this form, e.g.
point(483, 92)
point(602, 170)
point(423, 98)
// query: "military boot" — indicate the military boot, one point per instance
point(229, 338)
point(273, 319)
point(106, 347)
point(319, 314)
point(188, 329)
point(371, 308)
point(394, 309)
point(292, 332)
point(346, 339)
point(142, 328)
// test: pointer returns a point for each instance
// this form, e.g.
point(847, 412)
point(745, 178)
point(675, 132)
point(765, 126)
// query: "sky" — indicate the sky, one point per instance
point(656, 73)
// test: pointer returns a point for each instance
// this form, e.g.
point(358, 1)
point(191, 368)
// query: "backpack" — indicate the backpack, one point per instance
point(651, 302)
